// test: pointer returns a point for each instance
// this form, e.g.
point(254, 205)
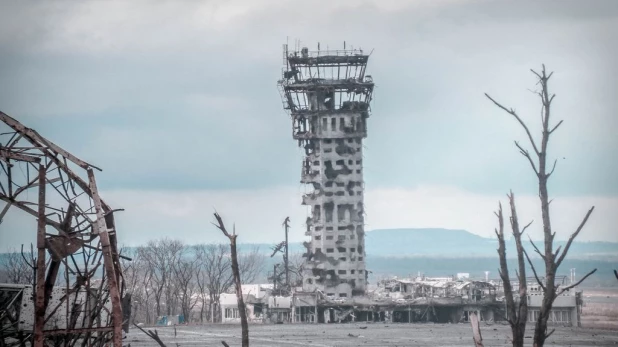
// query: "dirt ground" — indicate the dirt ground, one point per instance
point(599, 321)
point(378, 335)
point(600, 308)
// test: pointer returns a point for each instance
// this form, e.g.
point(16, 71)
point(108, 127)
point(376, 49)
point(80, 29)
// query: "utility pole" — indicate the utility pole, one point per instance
point(286, 225)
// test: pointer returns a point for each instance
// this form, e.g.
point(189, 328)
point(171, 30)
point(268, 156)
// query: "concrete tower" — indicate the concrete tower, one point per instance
point(327, 94)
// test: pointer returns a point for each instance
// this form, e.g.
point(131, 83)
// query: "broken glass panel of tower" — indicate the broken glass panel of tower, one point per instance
point(327, 94)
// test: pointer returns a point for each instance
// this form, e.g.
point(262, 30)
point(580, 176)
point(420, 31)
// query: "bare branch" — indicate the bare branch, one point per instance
point(552, 169)
point(537, 75)
point(557, 251)
point(538, 280)
point(221, 226)
point(572, 237)
point(526, 154)
point(551, 332)
point(512, 112)
point(556, 127)
point(153, 335)
point(576, 283)
point(536, 249)
point(526, 226)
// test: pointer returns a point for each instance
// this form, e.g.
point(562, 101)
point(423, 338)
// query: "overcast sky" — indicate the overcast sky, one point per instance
point(177, 101)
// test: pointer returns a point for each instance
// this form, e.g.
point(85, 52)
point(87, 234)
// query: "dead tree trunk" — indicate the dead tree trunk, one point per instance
point(242, 311)
point(476, 330)
point(517, 313)
point(551, 259)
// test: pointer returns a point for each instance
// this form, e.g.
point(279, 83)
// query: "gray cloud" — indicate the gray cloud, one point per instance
point(182, 95)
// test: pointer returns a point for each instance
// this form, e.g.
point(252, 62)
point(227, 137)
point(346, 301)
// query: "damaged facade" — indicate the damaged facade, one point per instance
point(328, 94)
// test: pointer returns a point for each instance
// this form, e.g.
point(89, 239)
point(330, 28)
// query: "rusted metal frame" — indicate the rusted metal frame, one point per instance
point(5, 155)
point(64, 188)
point(108, 262)
point(71, 178)
point(9, 174)
point(100, 302)
point(39, 316)
point(13, 140)
point(5, 310)
point(70, 182)
point(53, 156)
point(111, 224)
point(33, 183)
point(36, 138)
point(2, 189)
point(83, 214)
point(22, 206)
point(4, 211)
point(11, 196)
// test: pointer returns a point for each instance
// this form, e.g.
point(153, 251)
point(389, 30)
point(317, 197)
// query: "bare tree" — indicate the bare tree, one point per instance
point(517, 313)
point(242, 309)
point(215, 275)
point(160, 256)
point(296, 268)
point(16, 268)
point(251, 264)
point(538, 162)
point(185, 272)
point(201, 281)
point(146, 292)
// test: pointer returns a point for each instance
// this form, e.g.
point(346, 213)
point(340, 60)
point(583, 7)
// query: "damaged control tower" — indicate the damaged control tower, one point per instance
point(327, 94)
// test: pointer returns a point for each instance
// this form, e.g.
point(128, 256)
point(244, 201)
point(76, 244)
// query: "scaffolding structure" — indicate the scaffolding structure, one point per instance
point(77, 291)
point(328, 95)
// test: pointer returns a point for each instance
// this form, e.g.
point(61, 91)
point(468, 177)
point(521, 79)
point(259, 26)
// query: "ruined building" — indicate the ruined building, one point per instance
point(327, 94)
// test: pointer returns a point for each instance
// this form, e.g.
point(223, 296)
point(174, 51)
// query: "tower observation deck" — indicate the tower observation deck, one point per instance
point(327, 95)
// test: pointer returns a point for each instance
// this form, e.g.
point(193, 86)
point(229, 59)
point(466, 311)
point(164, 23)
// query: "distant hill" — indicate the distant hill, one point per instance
point(461, 243)
point(438, 252)
point(448, 243)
